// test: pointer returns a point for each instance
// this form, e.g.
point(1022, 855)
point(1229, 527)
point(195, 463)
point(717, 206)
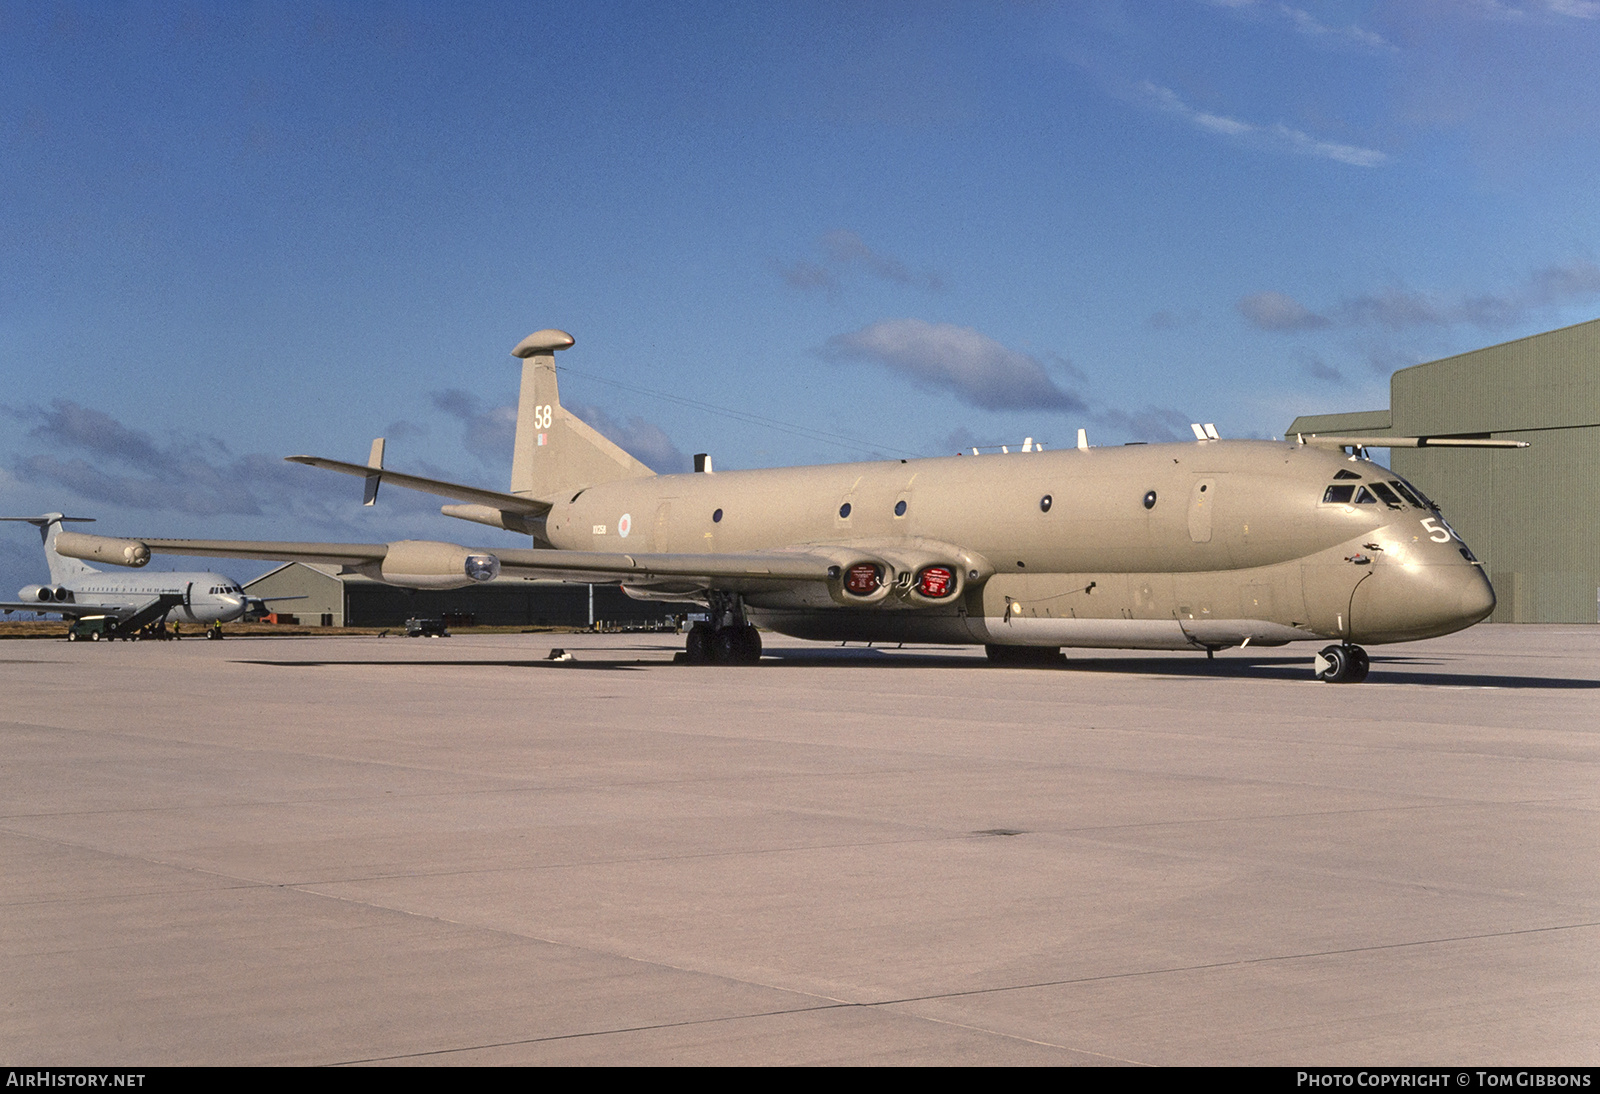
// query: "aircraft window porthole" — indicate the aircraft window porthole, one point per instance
point(844, 510)
point(899, 508)
point(1045, 503)
point(1150, 499)
point(716, 518)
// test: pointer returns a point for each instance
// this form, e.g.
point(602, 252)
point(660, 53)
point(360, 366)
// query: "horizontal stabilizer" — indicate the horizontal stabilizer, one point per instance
point(511, 503)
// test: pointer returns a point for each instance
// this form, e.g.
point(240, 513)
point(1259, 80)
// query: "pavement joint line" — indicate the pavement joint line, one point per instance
point(749, 1016)
point(887, 1003)
point(842, 1004)
point(1239, 963)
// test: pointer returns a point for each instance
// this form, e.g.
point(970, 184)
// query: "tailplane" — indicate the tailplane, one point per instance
point(555, 450)
point(62, 569)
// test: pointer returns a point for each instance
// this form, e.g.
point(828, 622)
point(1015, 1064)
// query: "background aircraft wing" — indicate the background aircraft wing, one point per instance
point(509, 503)
point(52, 608)
point(131, 616)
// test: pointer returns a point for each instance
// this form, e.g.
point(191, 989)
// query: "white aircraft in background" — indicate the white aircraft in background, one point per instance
point(129, 602)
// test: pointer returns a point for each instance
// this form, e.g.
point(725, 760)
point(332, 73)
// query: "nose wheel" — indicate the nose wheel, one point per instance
point(1343, 664)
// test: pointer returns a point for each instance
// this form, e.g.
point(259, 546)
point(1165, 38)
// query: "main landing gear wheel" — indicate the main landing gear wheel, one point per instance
point(736, 645)
point(1342, 665)
point(697, 648)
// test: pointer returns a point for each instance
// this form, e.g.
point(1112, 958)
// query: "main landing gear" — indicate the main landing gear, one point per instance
point(1344, 664)
point(736, 645)
point(727, 639)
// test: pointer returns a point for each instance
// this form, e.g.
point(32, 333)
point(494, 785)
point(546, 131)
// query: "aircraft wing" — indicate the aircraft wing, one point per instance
point(145, 611)
point(734, 572)
point(1481, 441)
point(860, 573)
point(428, 559)
point(509, 503)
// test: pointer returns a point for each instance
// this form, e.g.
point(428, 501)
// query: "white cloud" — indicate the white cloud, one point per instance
point(1275, 311)
point(490, 432)
point(644, 440)
point(1397, 308)
point(1309, 25)
point(844, 252)
point(98, 459)
point(1572, 9)
point(1277, 137)
point(806, 276)
point(1306, 23)
point(487, 432)
point(1400, 308)
point(975, 367)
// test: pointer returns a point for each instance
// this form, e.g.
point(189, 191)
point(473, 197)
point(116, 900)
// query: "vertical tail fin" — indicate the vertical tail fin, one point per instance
point(556, 451)
point(62, 569)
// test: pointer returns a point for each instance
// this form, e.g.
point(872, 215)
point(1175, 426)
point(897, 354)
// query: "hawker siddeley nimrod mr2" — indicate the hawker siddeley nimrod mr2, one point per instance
point(1201, 545)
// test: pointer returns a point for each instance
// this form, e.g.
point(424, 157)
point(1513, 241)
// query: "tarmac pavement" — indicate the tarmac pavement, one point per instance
point(351, 850)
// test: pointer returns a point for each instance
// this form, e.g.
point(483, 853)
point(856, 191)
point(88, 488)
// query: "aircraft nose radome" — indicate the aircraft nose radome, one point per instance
point(1477, 599)
point(1402, 605)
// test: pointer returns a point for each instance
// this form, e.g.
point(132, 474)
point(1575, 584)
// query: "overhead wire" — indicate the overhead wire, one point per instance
point(854, 444)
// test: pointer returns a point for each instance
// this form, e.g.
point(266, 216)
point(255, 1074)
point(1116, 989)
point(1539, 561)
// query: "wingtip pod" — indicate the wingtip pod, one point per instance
point(117, 552)
point(425, 564)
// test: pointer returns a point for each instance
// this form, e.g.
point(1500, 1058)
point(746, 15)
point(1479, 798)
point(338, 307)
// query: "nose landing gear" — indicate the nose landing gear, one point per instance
point(1344, 664)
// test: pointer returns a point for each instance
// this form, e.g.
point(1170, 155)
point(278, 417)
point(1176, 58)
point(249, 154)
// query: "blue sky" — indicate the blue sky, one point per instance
point(231, 232)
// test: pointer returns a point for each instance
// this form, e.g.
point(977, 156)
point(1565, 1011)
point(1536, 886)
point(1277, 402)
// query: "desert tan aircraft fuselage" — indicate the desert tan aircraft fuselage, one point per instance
point(1209, 544)
point(1201, 545)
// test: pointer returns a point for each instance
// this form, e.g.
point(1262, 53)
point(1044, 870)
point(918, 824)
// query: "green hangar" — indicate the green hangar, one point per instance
point(1531, 515)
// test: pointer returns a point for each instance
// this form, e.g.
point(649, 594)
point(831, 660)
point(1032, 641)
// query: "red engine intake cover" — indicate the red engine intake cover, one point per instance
point(936, 582)
point(863, 579)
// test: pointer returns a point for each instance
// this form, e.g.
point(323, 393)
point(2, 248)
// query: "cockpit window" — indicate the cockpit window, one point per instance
point(1400, 488)
point(1422, 500)
point(1345, 474)
point(1338, 494)
point(1364, 497)
point(1387, 496)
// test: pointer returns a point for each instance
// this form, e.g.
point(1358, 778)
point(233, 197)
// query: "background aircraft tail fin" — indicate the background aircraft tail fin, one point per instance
point(62, 569)
point(555, 450)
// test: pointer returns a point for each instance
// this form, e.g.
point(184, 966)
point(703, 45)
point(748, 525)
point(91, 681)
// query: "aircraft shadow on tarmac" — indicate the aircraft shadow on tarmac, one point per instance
point(1399, 669)
point(1385, 670)
point(610, 664)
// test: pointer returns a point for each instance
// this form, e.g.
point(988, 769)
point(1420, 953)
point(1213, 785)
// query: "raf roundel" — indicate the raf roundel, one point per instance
point(624, 525)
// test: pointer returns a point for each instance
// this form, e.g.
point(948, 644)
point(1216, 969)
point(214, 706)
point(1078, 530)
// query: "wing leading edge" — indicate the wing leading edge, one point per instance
point(911, 574)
